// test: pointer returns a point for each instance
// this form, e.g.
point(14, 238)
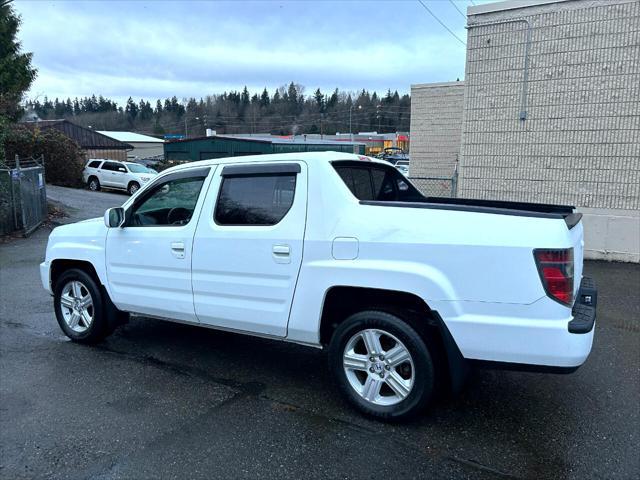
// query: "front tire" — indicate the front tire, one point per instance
point(133, 188)
point(381, 365)
point(93, 184)
point(79, 307)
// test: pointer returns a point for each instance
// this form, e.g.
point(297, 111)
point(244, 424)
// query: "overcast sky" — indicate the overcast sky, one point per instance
point(158, 49)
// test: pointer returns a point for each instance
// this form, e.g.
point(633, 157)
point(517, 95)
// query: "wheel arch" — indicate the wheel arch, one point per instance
point(342, 301)
point(58, 266)
point(61, 265)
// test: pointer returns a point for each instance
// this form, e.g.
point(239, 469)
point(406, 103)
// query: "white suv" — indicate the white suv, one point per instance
point(113, 174)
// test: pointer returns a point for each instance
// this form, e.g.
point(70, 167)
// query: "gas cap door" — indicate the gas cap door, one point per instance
point(345, 248)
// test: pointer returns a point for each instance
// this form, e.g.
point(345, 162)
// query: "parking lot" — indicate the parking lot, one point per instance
point(158, 399)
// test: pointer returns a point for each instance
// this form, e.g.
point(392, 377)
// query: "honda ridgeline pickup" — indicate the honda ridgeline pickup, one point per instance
point(337, 251)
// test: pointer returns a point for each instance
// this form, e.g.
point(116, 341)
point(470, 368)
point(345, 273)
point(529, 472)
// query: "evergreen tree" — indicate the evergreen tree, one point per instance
point(319, 98)
point(264, 98)
point(16, 72)
point(131, 110)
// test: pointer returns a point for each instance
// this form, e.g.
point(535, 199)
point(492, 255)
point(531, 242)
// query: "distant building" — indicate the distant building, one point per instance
point(550, 113)
point(436, 128)
point(374, 142)
point(144, 146)
point(220, 146)
point(94, 144)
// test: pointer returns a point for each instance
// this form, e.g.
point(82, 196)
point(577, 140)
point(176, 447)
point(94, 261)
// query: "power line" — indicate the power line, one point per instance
point(456, 7)
point(440, 22)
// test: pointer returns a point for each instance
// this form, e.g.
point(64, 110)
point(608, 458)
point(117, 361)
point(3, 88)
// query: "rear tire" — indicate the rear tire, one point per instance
point(133, 188)
point(381, 365)
point(79, 307)
point(93, 184)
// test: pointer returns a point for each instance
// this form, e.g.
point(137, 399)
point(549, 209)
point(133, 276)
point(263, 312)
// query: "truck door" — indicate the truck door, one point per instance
point(149, 260)
point(247, 250)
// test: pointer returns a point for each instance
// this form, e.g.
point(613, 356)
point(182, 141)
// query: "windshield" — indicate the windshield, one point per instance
point(137, 168)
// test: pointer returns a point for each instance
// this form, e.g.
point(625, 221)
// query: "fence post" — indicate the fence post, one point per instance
point(454, 183)
point(43, 191)
point(22, 212)
point(13, 199)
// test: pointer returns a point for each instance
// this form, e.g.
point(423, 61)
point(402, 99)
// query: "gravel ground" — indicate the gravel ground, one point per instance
point(162, 400)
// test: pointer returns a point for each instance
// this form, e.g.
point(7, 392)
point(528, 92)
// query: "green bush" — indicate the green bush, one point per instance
point(63, 159)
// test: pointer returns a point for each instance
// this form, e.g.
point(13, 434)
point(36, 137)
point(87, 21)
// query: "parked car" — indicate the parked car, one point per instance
point(403, 167)
point(127, 176)
point(393, 155)
point(339, 251)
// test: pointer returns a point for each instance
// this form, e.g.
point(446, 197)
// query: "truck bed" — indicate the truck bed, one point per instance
point(496, 207)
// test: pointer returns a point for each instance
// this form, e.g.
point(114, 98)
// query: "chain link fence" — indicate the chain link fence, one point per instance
point(436, 186)
point(23, 195)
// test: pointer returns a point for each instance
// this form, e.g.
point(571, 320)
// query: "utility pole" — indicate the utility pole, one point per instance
point(350, 110)
point(378, 116)
point(186, 132)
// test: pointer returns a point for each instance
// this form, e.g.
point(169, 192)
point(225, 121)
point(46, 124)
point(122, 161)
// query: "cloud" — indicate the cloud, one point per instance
point(160, 49)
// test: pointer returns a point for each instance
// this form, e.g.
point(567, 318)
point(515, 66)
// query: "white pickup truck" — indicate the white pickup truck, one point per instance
point(339, 251)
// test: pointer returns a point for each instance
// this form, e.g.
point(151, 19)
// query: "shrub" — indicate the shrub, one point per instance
point(63, 159)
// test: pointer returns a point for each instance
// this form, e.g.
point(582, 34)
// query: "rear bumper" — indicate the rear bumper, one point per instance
point(542, 336)
point(584, 309)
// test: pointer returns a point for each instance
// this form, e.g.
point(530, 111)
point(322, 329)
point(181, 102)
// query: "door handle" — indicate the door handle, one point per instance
point(281, 253)
point(177, 248)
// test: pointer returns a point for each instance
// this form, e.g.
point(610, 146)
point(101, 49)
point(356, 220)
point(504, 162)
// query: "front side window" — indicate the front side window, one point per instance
point(261, 199)
point(169, 203)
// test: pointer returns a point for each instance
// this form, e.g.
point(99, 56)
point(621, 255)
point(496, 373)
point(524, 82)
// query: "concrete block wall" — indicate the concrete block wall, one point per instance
point(436, 125)
point(580, 142)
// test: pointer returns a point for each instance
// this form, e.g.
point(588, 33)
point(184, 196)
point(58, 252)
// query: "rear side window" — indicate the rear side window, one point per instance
point(377, 182)
point(255, 199)
point(111, 166)
point(94, 164)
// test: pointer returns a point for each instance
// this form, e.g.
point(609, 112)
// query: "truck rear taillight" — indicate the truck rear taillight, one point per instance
point(555, 267)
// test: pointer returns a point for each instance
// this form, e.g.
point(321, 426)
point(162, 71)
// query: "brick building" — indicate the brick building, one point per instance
point(551, 113)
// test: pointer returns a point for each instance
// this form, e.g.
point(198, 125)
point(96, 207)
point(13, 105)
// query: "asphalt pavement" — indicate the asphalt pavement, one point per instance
point(163, 400)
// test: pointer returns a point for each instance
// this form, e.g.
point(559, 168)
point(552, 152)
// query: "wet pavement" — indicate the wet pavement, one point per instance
point(163, 400)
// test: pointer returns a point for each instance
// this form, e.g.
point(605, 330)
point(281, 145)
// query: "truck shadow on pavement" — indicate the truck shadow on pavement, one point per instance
point(496, 412)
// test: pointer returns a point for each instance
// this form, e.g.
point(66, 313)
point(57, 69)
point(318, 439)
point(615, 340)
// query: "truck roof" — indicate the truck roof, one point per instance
point(305, 156)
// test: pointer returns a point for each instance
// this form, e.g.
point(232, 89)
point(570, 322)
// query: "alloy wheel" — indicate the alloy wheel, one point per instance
point(378, 367)
point(76, 305)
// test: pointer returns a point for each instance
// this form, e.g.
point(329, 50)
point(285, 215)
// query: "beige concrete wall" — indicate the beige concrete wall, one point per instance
point(580, 142)
point(436, 123)
point(611, 234)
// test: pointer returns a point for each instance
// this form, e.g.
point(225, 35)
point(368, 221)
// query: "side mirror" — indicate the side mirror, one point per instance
point(114, 217)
